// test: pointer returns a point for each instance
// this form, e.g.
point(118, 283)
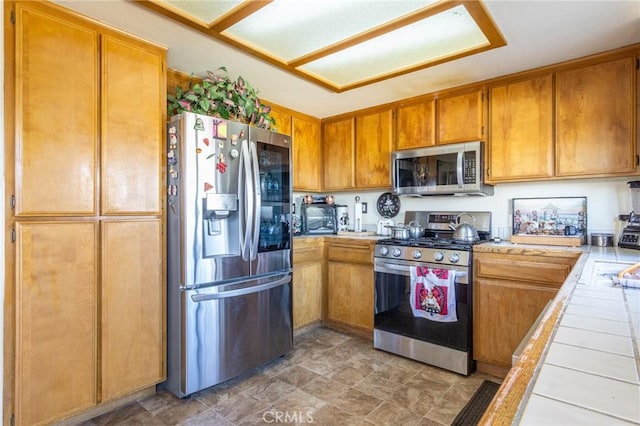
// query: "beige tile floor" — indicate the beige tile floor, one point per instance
point(329, 378)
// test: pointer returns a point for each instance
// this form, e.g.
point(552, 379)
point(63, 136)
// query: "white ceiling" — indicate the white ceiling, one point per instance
point(537, 33)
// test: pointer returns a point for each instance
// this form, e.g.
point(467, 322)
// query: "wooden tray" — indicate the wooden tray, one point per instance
point(549, 240)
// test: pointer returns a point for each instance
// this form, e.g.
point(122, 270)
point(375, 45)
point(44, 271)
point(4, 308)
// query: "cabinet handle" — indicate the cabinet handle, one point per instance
point(351, 246)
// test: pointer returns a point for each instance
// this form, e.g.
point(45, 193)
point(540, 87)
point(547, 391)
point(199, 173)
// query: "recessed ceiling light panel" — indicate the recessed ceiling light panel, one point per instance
point(342, 44)
point(288, 29)
point(446, 34)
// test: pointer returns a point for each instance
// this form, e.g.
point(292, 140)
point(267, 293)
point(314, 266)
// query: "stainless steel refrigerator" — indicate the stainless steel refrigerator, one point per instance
point(229, 250)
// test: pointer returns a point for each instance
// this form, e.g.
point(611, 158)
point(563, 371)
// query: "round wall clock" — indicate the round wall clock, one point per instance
point(388, 205)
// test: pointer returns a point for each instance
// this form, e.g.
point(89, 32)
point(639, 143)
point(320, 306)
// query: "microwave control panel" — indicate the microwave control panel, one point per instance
point(470, 170)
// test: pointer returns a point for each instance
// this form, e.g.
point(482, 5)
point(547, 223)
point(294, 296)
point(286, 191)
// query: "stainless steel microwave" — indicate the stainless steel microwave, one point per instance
point(319, 218)
point(454, 169)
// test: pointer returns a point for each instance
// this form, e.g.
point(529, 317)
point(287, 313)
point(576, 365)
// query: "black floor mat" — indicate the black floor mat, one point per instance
point(471, 414)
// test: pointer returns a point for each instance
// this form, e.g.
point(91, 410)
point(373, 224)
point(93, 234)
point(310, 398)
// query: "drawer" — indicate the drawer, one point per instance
point(351, 251)
point(521, 270)
point(308, 254)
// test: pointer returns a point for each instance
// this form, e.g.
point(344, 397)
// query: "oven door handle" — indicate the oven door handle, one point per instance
point(392, 267)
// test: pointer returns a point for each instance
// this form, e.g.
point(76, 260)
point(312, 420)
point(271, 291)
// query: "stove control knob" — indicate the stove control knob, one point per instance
point(454, 258)
point(397, 252)
point(417, 254)
point(384, 251)
point(438, 256)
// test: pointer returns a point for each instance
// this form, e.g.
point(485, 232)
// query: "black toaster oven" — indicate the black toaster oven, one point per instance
point(319, 218)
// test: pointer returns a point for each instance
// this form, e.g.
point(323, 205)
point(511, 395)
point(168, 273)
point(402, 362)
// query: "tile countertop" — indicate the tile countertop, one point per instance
point(581, 364)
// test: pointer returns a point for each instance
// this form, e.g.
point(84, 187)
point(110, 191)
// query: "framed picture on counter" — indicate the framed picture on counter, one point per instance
point(553, 221)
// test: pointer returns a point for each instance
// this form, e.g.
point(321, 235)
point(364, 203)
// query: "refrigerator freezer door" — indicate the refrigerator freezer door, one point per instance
point(208, 212)
point(230, 329)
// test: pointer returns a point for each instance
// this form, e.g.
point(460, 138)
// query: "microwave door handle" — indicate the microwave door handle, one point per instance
point(459, 169)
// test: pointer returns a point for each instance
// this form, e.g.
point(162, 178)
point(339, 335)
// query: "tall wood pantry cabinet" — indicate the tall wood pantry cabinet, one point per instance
point(88, 218)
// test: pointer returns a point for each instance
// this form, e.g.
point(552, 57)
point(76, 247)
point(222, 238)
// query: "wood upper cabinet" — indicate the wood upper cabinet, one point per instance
point(415, 125)
point(338, 154)
point(56, 309)
point(374, 144)
point(460, 117)
point(57, 123)
point(594, 119)
point(307, 154)
point(520, 142)
point(510, 291)
point(283, 120)
point(132, 127)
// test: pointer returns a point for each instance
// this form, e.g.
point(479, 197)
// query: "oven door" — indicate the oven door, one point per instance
point(393, 312)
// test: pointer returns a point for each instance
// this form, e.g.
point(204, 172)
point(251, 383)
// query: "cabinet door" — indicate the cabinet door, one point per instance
point(307, 294)
point(307, 155)
point(56, 113)
point(460, 118)
point(283, 120)
point(132, 306)
point(521, 130)
point(133, 113)
point(594, 119)
point(350, 294)
point(374, 144)
point(503, 313)
point(415, 125)
point(338, 154)
point(56, 333)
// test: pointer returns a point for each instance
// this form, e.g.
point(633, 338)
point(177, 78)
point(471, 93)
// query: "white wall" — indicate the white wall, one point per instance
point(606, 199)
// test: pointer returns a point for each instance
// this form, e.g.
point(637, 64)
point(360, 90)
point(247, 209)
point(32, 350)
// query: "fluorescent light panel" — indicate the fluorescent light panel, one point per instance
point(288, 29)
point(446, 34)
point(342, 44)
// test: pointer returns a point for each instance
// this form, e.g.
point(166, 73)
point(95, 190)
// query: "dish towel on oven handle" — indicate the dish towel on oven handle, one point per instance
point(433, 293)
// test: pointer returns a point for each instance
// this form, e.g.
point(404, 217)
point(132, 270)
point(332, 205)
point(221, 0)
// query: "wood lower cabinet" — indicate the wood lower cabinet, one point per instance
point(510, 290)
point(460, 117)
point(521, 144)
point(350, 282)
point(133, 299)
point(88, 183)
point(57, 320)
point(594, 119)
point(308, 281)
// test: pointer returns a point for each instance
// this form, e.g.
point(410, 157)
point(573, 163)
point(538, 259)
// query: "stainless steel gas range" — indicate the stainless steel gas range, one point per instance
point(397, 327)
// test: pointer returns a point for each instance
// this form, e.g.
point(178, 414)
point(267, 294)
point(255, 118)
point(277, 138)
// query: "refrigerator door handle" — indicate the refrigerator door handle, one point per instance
point(245, 198)
point(257, 200)
point(242, 291)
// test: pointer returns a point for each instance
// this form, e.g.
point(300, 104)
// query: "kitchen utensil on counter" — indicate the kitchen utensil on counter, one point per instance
point(415, 229)
point(357, 215)
point(383, 227)
point(602, 239)
point(463, 231)
point(399, 232)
